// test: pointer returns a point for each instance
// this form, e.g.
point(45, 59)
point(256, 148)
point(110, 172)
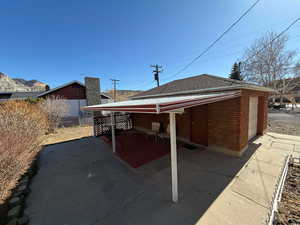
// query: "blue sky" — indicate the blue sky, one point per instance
point(59, 41)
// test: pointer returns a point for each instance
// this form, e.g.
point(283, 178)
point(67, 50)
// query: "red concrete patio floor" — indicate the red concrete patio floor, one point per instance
point(138, 149)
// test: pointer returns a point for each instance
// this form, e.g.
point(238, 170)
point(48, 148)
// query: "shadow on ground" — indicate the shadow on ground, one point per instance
point(82, 182)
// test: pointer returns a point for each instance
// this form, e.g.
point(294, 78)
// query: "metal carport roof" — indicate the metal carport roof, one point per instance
point(162, 105)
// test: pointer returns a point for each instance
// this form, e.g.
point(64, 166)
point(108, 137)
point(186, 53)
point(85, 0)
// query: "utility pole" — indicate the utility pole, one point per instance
point(113, 118)
point(114, 81)
point(156, 73)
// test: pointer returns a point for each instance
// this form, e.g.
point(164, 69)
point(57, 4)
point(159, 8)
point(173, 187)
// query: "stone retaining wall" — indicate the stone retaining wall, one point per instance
point(16, 203)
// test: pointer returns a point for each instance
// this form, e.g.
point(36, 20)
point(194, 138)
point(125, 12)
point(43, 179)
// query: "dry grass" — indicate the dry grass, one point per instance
point(284, 127)
point(68, 134)
point(22, 129)
point(289, 207)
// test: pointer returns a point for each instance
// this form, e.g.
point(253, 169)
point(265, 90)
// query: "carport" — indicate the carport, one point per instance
point(172, 106)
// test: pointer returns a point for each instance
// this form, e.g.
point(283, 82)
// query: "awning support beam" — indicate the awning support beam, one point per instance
point(173, 156)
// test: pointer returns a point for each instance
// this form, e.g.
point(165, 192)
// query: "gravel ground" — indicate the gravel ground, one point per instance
point(284, 122)
point(289, 207)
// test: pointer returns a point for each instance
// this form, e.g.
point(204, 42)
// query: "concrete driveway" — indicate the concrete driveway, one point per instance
point(82, 183)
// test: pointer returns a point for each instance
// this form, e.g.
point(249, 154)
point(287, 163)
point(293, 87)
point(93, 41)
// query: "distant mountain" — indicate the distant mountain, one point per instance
point(122, 95)
point(17, 84)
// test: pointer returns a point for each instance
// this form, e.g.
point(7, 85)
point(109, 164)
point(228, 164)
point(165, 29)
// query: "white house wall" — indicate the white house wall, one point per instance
point(74, 106)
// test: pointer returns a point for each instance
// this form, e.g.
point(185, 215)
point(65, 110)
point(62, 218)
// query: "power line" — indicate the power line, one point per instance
point(280, 34)
point(144, 84)
point(225, 47)
point(275, 38)
point(218, 39)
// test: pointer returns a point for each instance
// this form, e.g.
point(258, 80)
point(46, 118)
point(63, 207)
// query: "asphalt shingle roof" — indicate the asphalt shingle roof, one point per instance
point(199, 82)
point(19, 95)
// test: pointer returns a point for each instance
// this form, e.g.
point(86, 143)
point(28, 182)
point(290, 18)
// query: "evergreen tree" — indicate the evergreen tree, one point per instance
point(235, 72)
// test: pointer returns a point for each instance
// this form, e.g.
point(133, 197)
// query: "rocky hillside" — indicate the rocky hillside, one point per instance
point(122, 95)
point(9, 84)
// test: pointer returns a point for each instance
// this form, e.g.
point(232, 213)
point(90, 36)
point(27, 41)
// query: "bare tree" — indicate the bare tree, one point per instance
point(55, 108)
point(296, 70)
point(267, 62)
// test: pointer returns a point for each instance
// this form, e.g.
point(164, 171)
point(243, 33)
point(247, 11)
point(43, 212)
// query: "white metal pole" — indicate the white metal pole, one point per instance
point(94, 124)
point(113, 135)
point(173, 157)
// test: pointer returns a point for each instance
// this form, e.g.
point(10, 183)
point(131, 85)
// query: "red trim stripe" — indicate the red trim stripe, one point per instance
point(164, 107)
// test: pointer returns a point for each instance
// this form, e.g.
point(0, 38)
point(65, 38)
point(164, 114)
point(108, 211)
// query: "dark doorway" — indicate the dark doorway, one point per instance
point(199, 126)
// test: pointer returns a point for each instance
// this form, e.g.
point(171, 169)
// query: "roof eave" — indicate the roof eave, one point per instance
point(61, 86)
point(250, 87)
point(105, 95)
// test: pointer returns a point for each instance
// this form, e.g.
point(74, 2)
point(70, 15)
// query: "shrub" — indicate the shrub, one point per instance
point(22, 129)
point(55, 108)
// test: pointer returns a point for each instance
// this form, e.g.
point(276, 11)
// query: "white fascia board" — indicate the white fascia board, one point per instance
point(250, 87)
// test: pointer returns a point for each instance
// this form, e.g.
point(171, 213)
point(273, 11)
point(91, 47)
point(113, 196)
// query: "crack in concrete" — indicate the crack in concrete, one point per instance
point(245, 196)
point(124, 205)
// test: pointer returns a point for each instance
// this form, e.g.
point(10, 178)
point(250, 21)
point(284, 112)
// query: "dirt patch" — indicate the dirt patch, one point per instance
point(284, 122)
point(283, 127)
point(289, 207)
point(68, 134)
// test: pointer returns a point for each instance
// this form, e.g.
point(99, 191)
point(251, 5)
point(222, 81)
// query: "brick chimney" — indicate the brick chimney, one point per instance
point(92, 90)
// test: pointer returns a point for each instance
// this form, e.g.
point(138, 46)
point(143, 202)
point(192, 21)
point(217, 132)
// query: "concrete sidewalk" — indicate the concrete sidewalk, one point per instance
point(82, 182)
point(247, 198)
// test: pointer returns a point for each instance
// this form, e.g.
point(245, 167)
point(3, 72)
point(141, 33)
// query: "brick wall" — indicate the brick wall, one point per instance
point(145, 120)
point(183, 123)
point(199, 124)
point(228, 121)
point(244, 122)
point(262, 114)
point(222, 124)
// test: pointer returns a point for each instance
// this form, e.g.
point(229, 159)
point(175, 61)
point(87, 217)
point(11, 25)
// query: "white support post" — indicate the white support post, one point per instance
point(113, 135)
point(94, 128)
point(173, 157)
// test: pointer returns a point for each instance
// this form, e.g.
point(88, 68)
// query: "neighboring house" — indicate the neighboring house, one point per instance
point(74, 93)
point(4, 96)
point(218, 113)
point(296, 90)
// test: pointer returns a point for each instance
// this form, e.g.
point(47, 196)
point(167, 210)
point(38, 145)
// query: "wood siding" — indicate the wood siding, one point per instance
point(72, 91)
